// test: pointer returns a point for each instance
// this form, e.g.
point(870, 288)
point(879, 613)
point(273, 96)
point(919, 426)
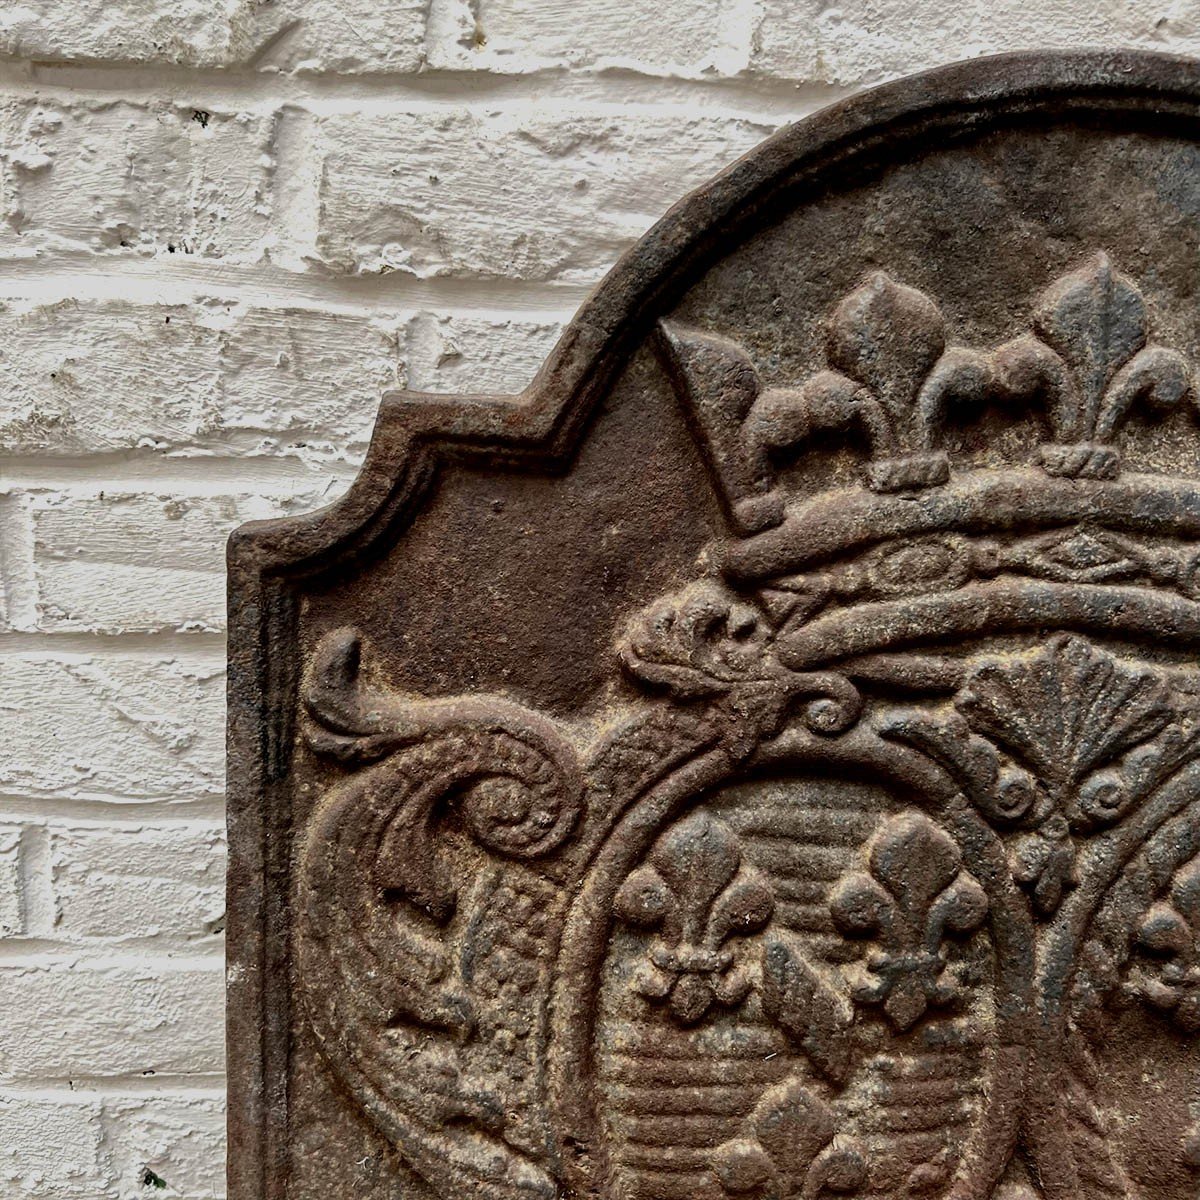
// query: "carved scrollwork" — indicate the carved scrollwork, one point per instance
point(898, 636)
point(706, 644)
point(514, 778)
point(395, 1010)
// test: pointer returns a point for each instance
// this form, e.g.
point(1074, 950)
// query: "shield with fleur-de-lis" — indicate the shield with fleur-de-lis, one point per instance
point(763, 763)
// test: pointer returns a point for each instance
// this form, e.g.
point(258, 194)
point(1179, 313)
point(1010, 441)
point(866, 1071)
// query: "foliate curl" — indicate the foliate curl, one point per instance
point(706, 643)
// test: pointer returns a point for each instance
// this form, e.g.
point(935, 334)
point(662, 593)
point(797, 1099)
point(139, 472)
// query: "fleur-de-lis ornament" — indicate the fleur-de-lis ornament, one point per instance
point(696, 894)
point(913, 894)
point(1166, 975)
point(791, 1149)
point(1094, 363)
point(893, 377)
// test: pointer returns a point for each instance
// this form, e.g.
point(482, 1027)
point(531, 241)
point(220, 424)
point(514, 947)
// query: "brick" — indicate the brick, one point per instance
point(466, 354)
point(191, 31)
point(191, 379)
point(181, 1139)
point(157, 366)
point(127, 881)
point(117, 725)
point(118, 562)
point(311, 381)
point(348, 36)
point(688, 39)
point(12, 909)
point(862, 41)
point(522, 193)
point(50, 1148)
point(121, 177)
point(65, 1021)
point(330, 35)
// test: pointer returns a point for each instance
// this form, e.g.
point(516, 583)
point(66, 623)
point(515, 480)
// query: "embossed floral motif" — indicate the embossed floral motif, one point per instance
point(884, 342)
point(1065, 714)
point(1086, 736)
point(913, 895)
point(791, 1150)
point(1166, 974)
point(696, 893)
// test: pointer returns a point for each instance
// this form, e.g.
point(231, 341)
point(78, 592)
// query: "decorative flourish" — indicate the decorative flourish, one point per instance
point(913, 894)
point(886, 345)
point(704, 643)
point(1166, 970)
point(893, 376)
point(696, 892)
point(885, 341)
point(1065, 712)
point(515, 779)
point(948, 561)
point(1082, 555)
point(791, 1150)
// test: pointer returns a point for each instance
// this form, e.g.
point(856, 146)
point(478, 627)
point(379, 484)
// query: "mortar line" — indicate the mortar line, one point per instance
point(105, 808)
point(47, 954)
point(152, 473)
point(76, 1088)
point(93, 814)
point(203, 648)
point(610, 88)
point(170, 279)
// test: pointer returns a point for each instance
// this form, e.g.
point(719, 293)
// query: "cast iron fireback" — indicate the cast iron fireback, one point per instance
point(762, 759)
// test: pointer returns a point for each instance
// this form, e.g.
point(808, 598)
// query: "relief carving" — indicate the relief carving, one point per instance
point(1053, 747)
point(912, 895)
point(864, 858)
point(695, 892)
point(1167, 947)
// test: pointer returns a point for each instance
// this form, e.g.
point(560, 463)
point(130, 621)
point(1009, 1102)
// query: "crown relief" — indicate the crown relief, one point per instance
point(893, 376)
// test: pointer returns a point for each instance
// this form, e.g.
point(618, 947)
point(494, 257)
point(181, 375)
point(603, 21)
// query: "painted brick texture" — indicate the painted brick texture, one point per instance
point(226, 227)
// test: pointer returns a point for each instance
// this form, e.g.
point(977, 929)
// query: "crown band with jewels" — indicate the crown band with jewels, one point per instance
point(1088, 360)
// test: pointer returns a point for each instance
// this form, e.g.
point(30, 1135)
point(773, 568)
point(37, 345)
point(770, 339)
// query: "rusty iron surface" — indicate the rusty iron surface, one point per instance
point(762, 759)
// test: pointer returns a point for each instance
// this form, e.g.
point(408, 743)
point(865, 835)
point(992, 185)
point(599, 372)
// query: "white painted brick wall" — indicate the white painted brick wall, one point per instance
point(225, 227)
